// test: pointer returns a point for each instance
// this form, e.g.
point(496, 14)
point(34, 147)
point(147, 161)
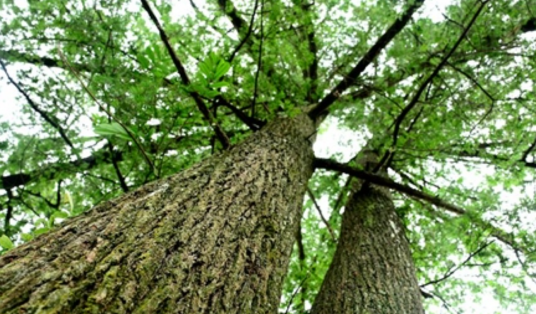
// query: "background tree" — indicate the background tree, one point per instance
point(445, 99)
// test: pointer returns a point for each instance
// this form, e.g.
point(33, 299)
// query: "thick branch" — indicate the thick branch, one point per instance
point(374, 51)
point(413, 193)
point(229, 9)
point(386, 182)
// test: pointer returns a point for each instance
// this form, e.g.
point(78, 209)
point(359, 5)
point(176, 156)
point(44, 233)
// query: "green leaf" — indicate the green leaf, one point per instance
point(112, 129)
point(26, 237)
point(41, 231)
point(219, 84)
point(144, 62)
point(56, 215)
point(60, 214)
point(222, 69)
point(41, 221)
point(150, 51)
point(6, 243)
point(204, 68)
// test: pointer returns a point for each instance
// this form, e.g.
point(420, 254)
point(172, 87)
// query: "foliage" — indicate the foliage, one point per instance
point(468, 138)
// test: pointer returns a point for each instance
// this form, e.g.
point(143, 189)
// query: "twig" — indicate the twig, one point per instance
point(295, 293)
point(248, 34)
point(454, 269)
point(34, 106)
point(311, 195)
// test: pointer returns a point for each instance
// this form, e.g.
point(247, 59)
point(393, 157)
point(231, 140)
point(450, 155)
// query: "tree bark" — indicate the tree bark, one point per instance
point(215, 238)
point(372, 271)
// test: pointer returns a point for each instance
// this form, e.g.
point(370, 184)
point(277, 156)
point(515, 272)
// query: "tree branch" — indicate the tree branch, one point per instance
point(16, 56)
point(13, 55)
point(253, 123)
point(247, 37)
point(52, 171)
point(451, 271)
point(311, 73)
point(386, 182)
point(422, 87)
point(312, 196)
point(51, 120)
point(118, 173)
point(222, 137)
point(349, 79)
point(501, 235)
point(259, 61)
point(107, 111)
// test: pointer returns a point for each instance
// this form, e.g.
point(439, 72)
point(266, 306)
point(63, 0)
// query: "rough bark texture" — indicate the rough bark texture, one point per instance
point(215, 238)
point(372, 271)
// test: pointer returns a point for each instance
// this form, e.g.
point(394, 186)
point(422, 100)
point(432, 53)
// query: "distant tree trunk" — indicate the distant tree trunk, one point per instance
point(215, 238)
point(372, 271)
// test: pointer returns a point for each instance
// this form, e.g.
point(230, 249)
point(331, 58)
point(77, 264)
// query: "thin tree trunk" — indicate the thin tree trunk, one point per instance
point(372, 271)
point(215, 238)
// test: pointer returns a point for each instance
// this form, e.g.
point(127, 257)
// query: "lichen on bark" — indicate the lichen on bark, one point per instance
point(215, 238)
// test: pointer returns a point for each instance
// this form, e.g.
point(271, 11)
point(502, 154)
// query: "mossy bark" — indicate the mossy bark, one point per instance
point(372, 271)
point(215, 238)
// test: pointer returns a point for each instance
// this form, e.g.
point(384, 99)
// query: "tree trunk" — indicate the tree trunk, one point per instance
point(372, 271)
point(215, 238)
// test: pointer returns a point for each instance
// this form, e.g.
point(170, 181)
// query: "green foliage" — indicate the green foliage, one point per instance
point(6, 243)
point(466, 141)
point(112, 129)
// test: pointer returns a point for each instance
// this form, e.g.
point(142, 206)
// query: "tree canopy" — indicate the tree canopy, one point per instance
point(111, 95)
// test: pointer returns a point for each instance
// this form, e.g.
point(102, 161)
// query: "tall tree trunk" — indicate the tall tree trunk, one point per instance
point(215, 238)
point(372, 271)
